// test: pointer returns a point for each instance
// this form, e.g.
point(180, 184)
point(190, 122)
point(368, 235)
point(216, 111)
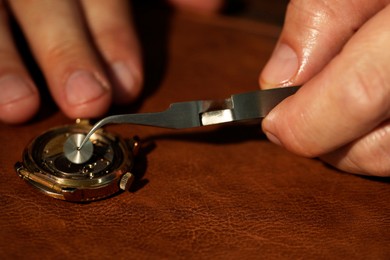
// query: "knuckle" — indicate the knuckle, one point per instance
point(59, 51)
point(113, 34)
point(370, 155)
point(372, 166)
point(297, 139)
point(64, 52)
point(316, 12)
point(369, 92)
point(378, 164)
point(117, 42)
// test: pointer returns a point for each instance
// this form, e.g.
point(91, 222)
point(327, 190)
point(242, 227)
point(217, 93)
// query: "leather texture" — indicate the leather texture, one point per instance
point(214, 192)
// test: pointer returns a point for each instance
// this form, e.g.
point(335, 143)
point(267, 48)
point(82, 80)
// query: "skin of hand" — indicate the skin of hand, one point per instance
point(338, 51)
point(87, 50)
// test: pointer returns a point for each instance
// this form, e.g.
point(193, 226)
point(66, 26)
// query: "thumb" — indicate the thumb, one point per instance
point(313, 33)
point(347, 100)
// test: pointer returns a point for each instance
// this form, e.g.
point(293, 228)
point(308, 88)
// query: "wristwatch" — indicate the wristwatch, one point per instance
point(45, 166)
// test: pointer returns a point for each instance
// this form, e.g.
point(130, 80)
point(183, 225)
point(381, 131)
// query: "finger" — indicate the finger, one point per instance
point(200, 6)
point(348, 99)
point(57, 36)
point(368, 155)
point(113, 32)
point(19, 99)
point(314, 32)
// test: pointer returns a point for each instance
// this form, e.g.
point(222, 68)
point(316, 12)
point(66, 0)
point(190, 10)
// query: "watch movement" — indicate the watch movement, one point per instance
point(52, 163)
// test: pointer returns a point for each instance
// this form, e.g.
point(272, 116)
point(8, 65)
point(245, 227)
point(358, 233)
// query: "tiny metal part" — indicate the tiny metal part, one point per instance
point(72, 151)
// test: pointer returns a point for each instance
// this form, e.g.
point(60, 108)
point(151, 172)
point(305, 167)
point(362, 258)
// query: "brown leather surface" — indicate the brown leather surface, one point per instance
point(214, 192)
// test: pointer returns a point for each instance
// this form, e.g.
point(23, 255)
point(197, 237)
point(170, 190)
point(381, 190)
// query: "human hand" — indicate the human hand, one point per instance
point(339, 52)
point(87, 50)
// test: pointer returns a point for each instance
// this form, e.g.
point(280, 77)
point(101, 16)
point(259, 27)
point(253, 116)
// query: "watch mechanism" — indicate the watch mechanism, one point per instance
point(52, 164)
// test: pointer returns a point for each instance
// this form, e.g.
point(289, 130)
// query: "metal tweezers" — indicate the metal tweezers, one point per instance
point(238, 107)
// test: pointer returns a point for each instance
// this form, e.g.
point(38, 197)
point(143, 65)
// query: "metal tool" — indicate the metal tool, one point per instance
point(238, 107)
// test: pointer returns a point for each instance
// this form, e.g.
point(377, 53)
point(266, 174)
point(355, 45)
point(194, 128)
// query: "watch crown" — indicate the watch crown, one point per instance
point(126, 181)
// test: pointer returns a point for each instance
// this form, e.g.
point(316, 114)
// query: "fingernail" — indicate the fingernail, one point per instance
point(82, 87)
point(123, 75)
point(281, 68)
point(127, 83)
point(273, 138)
point(13, 88)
